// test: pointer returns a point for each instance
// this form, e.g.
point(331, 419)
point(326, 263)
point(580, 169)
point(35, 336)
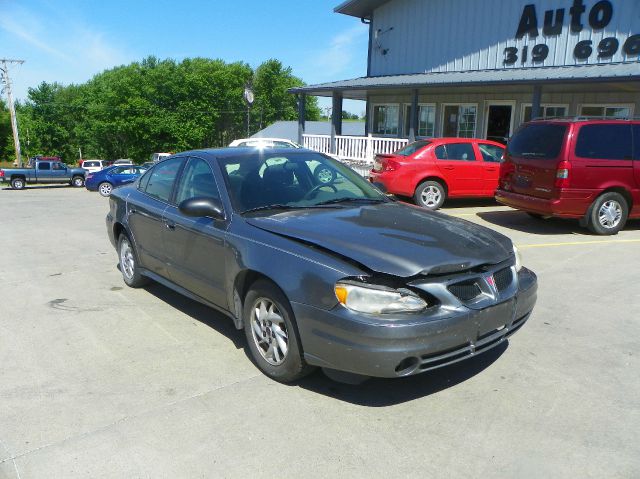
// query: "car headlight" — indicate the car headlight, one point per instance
point(518, 258)
point(378, 299)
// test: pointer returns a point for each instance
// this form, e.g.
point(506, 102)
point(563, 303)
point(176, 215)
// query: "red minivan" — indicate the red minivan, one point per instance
point(583, 168)
point(432, 170)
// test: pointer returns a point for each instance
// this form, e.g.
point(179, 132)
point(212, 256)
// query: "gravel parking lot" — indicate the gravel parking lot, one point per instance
point(99, 380)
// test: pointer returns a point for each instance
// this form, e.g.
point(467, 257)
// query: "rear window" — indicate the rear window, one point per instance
point(537, 140)
point(605, 142)
point(91, 163)
point(411, 148)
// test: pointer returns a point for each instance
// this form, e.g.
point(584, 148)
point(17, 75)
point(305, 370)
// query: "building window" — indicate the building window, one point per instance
point(426, 120)
point(547, 111)
point(385, 119)
point(459, 121)
point(607, 111)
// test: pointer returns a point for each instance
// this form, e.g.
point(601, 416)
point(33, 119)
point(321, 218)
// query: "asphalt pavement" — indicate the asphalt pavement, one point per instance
point(100, 380)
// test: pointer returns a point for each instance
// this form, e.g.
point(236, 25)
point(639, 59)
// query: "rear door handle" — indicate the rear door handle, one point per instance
point(448, 167)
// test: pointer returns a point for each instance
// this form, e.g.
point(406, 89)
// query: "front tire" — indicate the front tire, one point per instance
point(77, 181)
point(105, 188)
point(18, 183)
point(430, 195)
point(272, 335)
point(129, 263)
point(608, 214)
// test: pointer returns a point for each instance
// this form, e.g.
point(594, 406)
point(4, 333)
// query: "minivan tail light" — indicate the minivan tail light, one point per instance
point(1, 174)
point(562, 174)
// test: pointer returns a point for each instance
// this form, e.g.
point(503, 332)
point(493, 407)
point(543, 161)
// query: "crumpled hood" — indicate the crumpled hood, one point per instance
point(393, 238)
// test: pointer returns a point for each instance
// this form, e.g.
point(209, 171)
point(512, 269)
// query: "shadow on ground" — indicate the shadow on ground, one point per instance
point(375, 392)
point(521, 221)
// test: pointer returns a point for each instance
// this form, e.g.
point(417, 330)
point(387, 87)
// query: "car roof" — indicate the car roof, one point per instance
point(234, 151)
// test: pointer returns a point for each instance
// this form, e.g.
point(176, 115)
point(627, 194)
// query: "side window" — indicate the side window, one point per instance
point(118, 171)
point(57, 166)
point(160, 182)
point(44, 166)
point(604, 142)
point(283, 144)
point(441, 152)
point(197, 180)
point(491, 153)
point(460, 151)
point(142, 186)
point(636, 141)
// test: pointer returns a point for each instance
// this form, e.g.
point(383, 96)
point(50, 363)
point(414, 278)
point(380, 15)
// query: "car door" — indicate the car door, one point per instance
point(196, 246)
point(460, 168)
point(59, 173)
point(44, 173)
point(491, 156)
point(145, 208)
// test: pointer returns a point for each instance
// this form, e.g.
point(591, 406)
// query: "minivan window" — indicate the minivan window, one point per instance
point(604, 142)
point(537, 140)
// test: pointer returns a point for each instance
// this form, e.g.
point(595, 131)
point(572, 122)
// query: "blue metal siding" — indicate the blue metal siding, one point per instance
point(461, 35)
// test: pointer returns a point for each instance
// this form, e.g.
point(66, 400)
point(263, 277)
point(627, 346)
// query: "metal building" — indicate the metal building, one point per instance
point(469, 68)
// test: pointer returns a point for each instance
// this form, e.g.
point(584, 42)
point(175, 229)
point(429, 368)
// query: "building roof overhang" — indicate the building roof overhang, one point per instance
point(359, 8)
point(609, 72)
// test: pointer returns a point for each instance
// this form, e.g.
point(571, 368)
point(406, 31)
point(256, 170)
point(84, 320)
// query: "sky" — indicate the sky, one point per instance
point(69, 41)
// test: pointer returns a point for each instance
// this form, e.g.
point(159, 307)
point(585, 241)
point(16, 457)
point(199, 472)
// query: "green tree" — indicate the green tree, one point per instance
point(6, 135)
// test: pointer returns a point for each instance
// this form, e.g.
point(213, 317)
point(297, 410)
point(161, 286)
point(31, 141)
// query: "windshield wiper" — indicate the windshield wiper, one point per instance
point(279, 206)
point(351, 200)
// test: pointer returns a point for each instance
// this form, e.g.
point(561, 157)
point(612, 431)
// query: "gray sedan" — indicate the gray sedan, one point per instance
point(330, 274)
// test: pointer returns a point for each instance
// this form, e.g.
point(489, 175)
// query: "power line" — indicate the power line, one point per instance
point(4, 78)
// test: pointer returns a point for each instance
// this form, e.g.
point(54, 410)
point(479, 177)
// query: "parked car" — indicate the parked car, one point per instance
point(433, 170)
point(265, 143)
point(333, 275)
point(43, 172)
point(106, 180)
point(123, 161)
point(95, 165)
point(583, 169)
point(156, 157)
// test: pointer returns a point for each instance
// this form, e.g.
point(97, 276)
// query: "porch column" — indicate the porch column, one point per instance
point(302, 101)
point(413, 121)
point(367, 117)
point(535, 101)
point(336, 119)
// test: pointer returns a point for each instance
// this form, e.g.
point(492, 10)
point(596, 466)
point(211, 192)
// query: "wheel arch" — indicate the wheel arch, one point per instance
point(439, 179)
point(621, 190)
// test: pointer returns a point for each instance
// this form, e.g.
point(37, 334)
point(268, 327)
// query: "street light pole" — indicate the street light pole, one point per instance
point(4, 77)
point(249, 97)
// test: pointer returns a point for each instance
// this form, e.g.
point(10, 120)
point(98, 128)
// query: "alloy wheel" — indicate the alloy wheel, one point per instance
point(105, 189)
point(127, 261)
point(431, 196)
point(610, 214)
point(269, 331)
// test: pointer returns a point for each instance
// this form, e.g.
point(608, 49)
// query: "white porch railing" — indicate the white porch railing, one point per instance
point(354, 148)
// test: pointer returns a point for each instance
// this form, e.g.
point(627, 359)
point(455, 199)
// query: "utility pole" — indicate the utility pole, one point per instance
point(4, 77)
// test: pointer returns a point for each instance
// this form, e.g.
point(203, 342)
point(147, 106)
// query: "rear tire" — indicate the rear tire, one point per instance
point(129, 263)
point(272, 335)
point(430, 195)
point(18, 183)
point(608, 214)
point(105, 188)
point(77, 181)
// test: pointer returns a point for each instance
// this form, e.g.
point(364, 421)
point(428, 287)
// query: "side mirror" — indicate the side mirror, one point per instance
point(380, 186)
point(201, 206)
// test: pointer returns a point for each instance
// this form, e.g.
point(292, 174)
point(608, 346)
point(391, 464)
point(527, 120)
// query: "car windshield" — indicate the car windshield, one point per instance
point(537, 140)
point(271, 181)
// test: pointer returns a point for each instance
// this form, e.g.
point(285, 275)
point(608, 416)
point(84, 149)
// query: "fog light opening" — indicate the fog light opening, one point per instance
point(407, 366)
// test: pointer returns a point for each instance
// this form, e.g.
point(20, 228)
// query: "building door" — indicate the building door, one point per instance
point(499, 122)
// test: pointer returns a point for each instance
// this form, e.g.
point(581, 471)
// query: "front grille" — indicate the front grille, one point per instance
point(503, 279)
point(466, 290)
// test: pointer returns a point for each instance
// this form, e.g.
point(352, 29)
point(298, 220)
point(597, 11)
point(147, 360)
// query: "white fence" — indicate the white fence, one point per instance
point(359, 149)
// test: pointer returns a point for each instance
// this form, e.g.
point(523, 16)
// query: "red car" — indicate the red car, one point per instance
point(432, 170)
point(580, 168)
